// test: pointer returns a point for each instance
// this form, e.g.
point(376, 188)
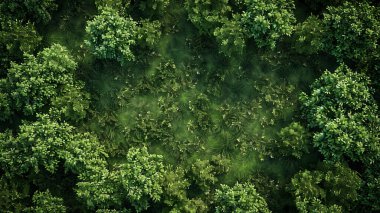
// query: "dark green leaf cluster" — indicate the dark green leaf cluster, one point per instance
point(45, 144)
point(46, 82)
point(34, 10)
point(45, 202)
point(15, 39)
point(344, 115)
point(268, 20)
point(349, 31)
point(112, 36)
point(265, 21)
point(137, 181)
point(293, 141)
point(238, 199)
point(332, 188)
point(352, 31)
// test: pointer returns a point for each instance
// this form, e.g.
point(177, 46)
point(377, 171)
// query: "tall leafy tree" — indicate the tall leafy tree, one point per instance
point(294, 141)
point(16, 38)
point(137, 181)
point(47, 148)
point(46, 202)
point(349, 31)
point(344, 115)
point(33, 10)
point(111, 36)
point(238, 199)
point(266, 21)
point(231, 37)
point(332, 188)
point(207, 15)
point(47, 82)
point(45, 144)
point(352, 31)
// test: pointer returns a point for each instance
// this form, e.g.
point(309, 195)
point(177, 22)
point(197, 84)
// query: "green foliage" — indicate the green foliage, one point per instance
point(111, 36)
point(231, 37)
point(344, 115)
point(157, 84)
point(45, 202)
point(294, 140)
point(322, 4)
point(44, 144)
point(348, 31)
point(208, 14)
point(33, 10)
point(142, 177)
point(238, 199)
point(333, 188)
point(309, 36)
point(154, 7)
point(268, 20)
point(47, 81)
point(138, 180)
point(190, 206)
point(148, 9)
point(371, 193)
point(352, 31)
point(175, 186)
point(13, 193)
point(149, 33)
point(5, 103)
point(205, 172)
point(16, 38)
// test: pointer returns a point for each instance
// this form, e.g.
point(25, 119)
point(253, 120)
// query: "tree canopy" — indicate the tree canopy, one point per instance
point(345, 116)
point(190, 106)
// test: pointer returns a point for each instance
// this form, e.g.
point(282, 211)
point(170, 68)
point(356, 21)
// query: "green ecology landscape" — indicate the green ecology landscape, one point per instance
point(190, 106)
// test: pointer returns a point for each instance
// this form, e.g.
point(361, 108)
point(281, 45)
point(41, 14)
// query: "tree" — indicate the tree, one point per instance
point(231, 37)
point(268, 20)
point(332, 188)
point(16, 38)
point(149, 33)
point(44, 144)
point(147, 9)
point(348, 31)
point(309, 36)
point(45, 202)
point(352, 31)
point(344, 115)
point(47, 82)
point(238, 199)
point(207, 15)
point(205, 172)
point(175, 186)
point(138, 181)
point(48, 148)
point(293, 141)
point(34, 10)
point(111, 36)
point(5, 105)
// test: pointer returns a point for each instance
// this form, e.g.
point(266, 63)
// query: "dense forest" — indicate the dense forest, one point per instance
point(189, 106)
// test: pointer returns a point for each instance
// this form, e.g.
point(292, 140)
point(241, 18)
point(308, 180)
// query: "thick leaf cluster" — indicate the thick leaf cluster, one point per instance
point(332, 188)
point(45, 144)
point(34, 10)
point(137, 181)
point(47, 82)
point(268, 20)
point(111, 36)
point(238, 199)
point(344, 116)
